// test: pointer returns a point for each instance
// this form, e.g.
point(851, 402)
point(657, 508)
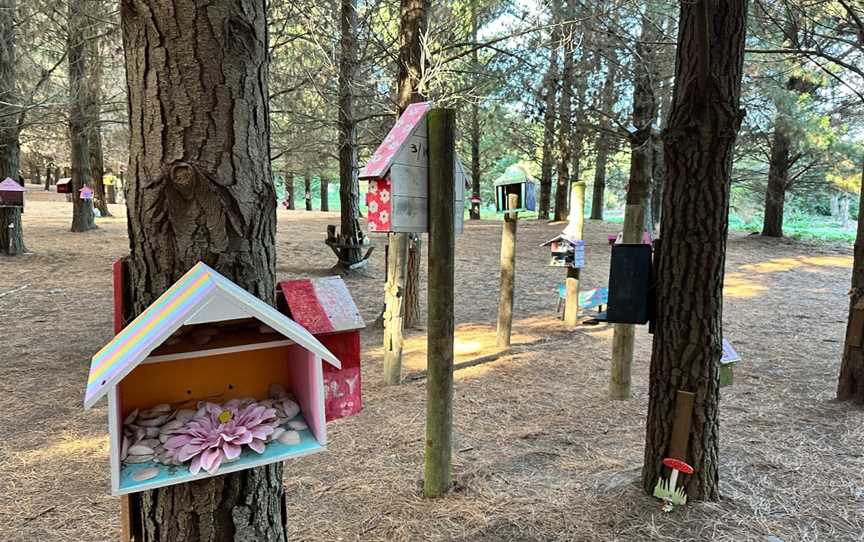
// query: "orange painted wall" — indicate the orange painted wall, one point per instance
point(215, 378)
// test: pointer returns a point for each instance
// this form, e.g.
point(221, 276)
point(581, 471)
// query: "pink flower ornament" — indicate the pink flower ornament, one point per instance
point(218, 433)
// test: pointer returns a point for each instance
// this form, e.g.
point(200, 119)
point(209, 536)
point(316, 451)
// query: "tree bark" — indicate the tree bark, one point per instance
point(289, 188)
point(351, 234)
point(699, 140)
point(638, 194)
point(307, 191)
point(778, 178)
point(11, 232)
point(48, 170)
point(82, 209)
point(200, 189)
point(603, 143)
point(550, 97)
point(93, 89)
point(565, 128)
point(324, 194)
point(413, 25)
point(474, 211)
point(850, 384)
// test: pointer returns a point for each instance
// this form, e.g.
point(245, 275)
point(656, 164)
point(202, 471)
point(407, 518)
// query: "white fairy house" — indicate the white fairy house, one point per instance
point(208, 380)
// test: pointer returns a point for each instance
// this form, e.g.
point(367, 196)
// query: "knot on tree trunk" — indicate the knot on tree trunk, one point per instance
point(182, 176)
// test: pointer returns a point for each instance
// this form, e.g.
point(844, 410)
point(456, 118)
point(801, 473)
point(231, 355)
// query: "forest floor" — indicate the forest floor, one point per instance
point(540, 452)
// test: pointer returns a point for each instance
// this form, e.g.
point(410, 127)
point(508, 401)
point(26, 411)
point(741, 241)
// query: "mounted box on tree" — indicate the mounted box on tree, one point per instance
point(398, 173)
point(630, 284)
point(207, 380)
point(11, 194)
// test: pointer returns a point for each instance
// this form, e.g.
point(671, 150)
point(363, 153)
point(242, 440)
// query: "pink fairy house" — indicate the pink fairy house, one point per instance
point(325, 308)
point(398, 175)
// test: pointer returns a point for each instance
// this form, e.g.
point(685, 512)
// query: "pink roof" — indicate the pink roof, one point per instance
point(386, 152)
point(9, 185)
point(321, 305)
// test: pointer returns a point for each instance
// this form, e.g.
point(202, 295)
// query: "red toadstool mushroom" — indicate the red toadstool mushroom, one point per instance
point(677, 466)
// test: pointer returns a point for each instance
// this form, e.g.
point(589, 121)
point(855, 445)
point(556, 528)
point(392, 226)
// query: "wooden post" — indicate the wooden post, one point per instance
point(508, 272)
point(577, 226)
point(439, 384)
point(624, 334)
point(394, 310)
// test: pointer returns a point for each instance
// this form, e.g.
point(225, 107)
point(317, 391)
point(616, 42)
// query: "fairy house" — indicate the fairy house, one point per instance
point(11, 194)
point(325, 308)
point(206, 341)
point(64, 186)
point(515, 181)
point(398, 173)
point(566, 252)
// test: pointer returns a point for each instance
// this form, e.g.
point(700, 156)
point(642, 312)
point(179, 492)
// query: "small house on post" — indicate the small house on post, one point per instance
point(566, 251)
point(64, 186)
point(515, 181)
point(208, 380)
point(398, 173)
point(325, 308)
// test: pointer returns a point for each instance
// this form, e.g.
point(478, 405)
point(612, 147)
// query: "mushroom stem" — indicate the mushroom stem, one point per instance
point(673, 480)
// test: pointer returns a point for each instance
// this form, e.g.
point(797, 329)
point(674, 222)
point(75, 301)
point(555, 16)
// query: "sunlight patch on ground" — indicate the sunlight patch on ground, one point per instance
point(741, 286)
point(787, 264)
point(471, 341)
point(65, 448)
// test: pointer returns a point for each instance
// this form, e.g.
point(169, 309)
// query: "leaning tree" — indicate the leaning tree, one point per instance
point(698, 142)
point(200, 189)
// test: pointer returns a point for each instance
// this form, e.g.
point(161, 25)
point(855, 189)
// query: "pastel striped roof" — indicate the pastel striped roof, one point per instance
point(201, 295)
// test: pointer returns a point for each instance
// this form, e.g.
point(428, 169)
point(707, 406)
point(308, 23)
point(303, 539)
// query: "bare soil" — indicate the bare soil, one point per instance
point(540, 452)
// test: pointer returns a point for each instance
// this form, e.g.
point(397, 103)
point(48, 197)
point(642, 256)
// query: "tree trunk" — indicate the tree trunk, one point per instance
point(82, 209)
point(289, 189)
point(550, 97)
point(583, 71)
point(48, 171)
point(565, 128)
point(699, 140)
point(324, 193)
point(658, 162)
point(603, 143)
point(850, 385)
point(778, 178)
point(11, 233)
point(599, 191)
point(413, 25)
point(638, 194)
point(307, 191)
point(202, 191)
point(474, 212)
point(94, 56)
point(349, 189)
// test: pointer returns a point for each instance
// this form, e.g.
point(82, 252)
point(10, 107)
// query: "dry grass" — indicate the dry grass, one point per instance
point(540, 452)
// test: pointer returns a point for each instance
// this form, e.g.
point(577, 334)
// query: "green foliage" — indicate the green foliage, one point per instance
point(676, 497)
